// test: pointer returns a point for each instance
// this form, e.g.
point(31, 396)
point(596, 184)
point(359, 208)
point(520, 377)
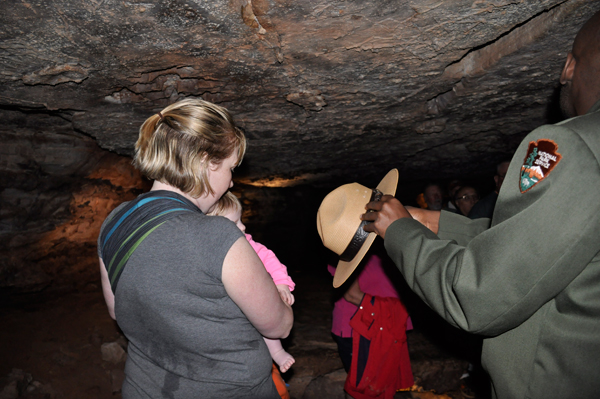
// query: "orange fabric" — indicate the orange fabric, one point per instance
point(279, 383)
point(421, 201)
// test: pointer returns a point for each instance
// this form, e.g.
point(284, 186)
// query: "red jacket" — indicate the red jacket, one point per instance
point(381, 322)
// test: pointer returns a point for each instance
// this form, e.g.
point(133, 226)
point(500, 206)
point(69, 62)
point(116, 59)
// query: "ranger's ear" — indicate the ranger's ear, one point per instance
point(568, 70)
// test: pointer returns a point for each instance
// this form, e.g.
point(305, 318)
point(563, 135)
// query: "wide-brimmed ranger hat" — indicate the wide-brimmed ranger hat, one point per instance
point(340, 227)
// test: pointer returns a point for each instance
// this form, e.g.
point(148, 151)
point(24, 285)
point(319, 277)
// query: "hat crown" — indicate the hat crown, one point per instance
point(338, 217)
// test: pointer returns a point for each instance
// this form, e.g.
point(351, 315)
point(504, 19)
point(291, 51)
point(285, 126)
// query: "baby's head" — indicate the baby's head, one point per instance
point(231, 208)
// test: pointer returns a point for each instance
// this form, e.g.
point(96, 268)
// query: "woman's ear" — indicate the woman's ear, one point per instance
point(568, 70)
point(213, 166)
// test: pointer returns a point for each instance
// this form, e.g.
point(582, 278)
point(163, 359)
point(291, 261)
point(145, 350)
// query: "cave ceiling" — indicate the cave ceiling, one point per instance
point(325, 90)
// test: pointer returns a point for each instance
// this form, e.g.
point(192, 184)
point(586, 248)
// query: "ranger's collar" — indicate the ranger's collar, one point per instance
point(595, 107)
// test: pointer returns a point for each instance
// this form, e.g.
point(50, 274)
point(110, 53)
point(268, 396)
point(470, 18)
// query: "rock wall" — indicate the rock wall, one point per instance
point(324, 88)
point(56, 188)
point(328, 92)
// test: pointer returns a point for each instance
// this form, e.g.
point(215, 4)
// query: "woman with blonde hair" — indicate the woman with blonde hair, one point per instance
point(194, 311)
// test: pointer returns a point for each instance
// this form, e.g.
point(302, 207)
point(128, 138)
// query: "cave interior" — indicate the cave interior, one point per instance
point(327, 92)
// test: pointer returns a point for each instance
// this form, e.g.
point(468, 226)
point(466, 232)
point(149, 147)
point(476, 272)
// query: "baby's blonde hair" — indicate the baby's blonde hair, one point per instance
point(178, 145)
point(227, 203)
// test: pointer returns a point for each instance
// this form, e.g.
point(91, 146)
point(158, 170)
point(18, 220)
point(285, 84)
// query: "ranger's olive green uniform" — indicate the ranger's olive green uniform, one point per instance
point(531, 282)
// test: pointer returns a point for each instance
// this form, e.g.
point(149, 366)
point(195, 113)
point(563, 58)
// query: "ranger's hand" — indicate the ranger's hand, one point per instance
point(383, 213)
point(429, 219)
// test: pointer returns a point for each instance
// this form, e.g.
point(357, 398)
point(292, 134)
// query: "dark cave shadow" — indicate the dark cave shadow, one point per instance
point(553, 113)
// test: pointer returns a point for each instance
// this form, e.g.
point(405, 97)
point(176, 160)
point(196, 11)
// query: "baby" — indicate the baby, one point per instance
point(231, 208)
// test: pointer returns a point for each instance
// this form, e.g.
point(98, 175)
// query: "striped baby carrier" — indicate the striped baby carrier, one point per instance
point(128, 227)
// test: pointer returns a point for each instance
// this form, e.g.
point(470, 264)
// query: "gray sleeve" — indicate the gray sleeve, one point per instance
point(460, 228)
point(491, 282)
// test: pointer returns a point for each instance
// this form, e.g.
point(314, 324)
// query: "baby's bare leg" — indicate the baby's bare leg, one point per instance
point(283, 359)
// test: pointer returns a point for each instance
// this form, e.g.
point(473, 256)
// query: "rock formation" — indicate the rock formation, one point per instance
point(327, 92)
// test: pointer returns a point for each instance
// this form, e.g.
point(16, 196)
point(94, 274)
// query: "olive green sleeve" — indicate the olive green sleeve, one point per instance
point(460, 228)
point(488, 281)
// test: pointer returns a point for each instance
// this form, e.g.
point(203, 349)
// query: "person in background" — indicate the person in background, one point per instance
point(484, 208)
point(465, 198)
point(453, 187)
point(433, 196)
point(529, 283)
point(370, 321)
point(187, 290)
point(371, 278)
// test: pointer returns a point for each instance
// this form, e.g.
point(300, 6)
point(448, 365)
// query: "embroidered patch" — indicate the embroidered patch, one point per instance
point(542, 157)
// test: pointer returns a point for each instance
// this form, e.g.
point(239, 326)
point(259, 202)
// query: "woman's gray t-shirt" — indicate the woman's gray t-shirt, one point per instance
point(187, 338)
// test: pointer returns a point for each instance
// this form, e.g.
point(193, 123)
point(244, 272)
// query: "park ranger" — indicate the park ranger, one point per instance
point(530, 282)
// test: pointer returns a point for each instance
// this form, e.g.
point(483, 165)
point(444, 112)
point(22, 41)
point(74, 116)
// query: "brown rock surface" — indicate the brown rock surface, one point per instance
point(327, 92)
point(320, 87)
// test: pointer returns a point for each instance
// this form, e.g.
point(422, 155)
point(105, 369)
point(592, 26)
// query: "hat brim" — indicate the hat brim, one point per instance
point(388, 186)
point(389, 183)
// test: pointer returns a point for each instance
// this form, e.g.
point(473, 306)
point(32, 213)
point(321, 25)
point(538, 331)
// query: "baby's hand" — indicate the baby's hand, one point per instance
point(286, 295)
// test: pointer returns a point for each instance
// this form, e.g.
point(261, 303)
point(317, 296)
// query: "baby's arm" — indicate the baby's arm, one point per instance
point(285, 294)
point(276, 269)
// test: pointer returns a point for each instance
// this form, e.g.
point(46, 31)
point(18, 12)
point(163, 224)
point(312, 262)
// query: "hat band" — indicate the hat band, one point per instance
point(360, 235)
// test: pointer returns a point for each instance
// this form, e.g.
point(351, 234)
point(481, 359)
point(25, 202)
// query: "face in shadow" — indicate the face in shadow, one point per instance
point(433, 197)
point(465, 198)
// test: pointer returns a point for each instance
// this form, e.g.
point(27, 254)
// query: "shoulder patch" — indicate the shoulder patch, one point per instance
point(542, 157)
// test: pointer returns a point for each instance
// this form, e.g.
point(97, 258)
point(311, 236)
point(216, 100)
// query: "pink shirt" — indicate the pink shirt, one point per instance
point(371, 280)
point(275, 268)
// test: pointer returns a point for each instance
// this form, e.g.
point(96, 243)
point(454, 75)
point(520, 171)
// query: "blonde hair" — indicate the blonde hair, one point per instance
point(227, 203)
point(177, 145)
